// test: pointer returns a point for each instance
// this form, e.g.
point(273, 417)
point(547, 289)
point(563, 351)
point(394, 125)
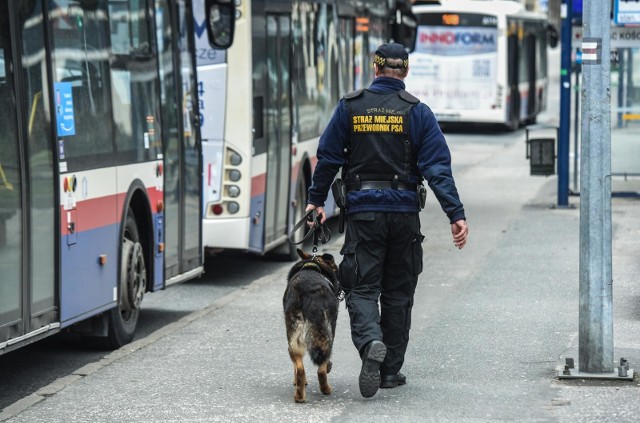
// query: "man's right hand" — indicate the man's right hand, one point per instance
point(319, 212)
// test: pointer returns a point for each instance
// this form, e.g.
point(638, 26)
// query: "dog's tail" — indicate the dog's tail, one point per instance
point(319, 355)
point(320, 342)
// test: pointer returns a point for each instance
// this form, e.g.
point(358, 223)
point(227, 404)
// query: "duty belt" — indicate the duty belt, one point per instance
point(402, 186)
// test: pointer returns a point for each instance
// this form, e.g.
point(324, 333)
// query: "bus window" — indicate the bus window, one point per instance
point(10, 216)
point(82, 87)
point(40, 165)
point(135, 82)
point(346, 53)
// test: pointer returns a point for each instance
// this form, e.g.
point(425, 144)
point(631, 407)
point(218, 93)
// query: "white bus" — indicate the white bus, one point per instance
point(480, 62)
point(290, 63)
point(97, 134)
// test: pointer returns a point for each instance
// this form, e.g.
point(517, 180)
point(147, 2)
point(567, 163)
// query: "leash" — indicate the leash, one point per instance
point(320, 232)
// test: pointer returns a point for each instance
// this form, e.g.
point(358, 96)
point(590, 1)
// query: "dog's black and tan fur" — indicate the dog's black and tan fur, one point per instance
point(310, 312)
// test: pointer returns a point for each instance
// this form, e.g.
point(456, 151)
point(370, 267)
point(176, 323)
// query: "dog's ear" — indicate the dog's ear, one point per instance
point(303, 255)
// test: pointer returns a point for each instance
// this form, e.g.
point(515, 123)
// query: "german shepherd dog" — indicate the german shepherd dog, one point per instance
point(310, 313)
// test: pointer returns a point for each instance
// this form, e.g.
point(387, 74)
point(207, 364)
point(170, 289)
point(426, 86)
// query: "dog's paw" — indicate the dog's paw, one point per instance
point(299, 398)
point(327, 390)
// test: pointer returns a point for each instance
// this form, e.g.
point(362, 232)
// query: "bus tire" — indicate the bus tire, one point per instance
point(122, 320)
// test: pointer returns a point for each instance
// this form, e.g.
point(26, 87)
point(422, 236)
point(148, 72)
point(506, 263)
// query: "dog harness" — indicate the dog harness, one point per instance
point(312, 265)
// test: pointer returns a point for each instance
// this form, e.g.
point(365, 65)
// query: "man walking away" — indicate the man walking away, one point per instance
point(386, 142)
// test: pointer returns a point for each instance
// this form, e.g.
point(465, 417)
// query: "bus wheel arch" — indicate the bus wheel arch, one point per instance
point(117, 326)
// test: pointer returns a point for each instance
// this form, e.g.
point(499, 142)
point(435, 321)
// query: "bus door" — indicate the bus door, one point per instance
point(513, 75)
point(182, 173)
point(278, 111)
point(530, 52)
point(27, 201)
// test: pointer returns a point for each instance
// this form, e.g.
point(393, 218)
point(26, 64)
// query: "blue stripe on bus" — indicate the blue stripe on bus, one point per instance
point(87, 285)
point(256, 231)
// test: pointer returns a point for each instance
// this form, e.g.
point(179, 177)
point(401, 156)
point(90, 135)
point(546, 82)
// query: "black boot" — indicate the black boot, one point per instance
point(392, 381)
point(372, 358)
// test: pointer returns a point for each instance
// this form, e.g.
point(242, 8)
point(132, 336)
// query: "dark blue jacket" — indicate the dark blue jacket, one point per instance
point(434, 162)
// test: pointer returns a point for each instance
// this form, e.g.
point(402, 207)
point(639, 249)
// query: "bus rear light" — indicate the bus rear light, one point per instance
point(161, 247)
point(233, 191)
point(160, 206)
point(217, 209)
point(235, 159)
point(233, 207)
point(234, 175)
point(102, 259)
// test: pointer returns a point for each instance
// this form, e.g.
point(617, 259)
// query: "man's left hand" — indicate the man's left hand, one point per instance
point(459, 230)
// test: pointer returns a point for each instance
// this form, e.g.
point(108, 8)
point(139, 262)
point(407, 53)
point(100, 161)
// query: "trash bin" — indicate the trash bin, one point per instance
point(541, 149)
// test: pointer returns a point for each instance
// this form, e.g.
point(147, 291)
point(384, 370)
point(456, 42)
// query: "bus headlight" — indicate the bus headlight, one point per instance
point(233, 191)
point(234, 175)
point(233, 207)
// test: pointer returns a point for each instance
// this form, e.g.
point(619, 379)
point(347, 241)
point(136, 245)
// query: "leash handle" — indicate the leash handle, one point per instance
point(300, 224)
point(319, 231)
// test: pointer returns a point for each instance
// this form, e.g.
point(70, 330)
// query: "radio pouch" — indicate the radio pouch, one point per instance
point(422, 196)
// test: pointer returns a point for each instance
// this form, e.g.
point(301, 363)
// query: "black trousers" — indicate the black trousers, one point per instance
point(382, 258)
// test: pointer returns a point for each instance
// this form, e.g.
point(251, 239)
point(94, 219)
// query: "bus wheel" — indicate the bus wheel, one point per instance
point(122, 321)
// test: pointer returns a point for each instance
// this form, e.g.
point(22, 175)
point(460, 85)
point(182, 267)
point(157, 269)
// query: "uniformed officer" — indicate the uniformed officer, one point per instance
point(385, 141)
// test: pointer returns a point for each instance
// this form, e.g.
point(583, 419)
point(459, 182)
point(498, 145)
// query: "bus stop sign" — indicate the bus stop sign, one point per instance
point(626, 12)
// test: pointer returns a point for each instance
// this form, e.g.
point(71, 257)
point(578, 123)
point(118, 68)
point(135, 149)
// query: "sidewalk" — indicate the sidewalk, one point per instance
point(491, 327)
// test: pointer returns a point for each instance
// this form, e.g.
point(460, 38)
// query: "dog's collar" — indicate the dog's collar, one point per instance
point(312, 264)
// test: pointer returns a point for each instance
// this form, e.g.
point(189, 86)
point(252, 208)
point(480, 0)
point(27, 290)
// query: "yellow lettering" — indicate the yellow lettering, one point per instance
point(362, 119)
point(384, 119)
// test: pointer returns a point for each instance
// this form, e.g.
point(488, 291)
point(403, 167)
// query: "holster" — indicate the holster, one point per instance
point(339, 190)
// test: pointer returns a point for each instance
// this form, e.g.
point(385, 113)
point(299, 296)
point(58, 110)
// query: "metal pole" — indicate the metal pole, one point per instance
point(576, 132)
point(595, 314)
point(565, 104)
point(621, 96)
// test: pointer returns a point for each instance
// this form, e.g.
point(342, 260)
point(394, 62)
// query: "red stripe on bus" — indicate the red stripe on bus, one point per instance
point(102, 211)
point(258, 184)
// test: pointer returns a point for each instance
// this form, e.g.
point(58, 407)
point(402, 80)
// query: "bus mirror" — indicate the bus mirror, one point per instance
point(221, 22)
point(404, 28)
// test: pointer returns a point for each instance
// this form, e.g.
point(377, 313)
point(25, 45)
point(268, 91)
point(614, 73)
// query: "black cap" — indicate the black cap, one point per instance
point(391, 51)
